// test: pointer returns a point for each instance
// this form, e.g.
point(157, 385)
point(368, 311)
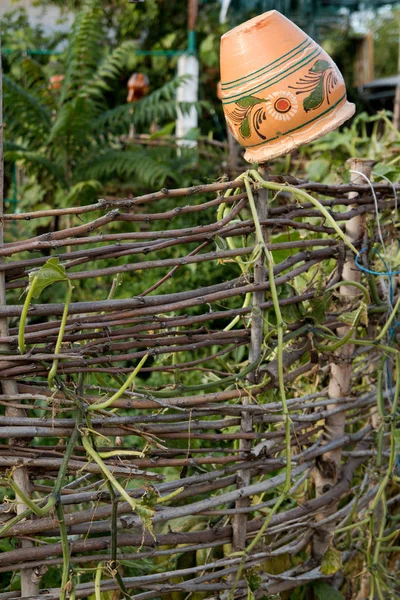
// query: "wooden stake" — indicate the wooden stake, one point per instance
point(29, 587)
point(328, 468)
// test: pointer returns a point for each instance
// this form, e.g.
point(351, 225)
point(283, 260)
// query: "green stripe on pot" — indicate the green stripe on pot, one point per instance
point(305, 61)
point(267, 68)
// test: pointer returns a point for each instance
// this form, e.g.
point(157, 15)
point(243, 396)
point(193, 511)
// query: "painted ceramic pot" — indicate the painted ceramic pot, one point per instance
point(56, 82)
point(279, 88)
point(138, 86)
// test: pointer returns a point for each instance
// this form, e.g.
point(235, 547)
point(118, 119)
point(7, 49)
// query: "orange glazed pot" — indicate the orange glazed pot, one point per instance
point(138, 86)
point(279, 88)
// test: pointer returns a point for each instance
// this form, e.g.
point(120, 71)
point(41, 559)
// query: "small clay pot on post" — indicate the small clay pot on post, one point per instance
point(138, 86)
point(279, 89)
point(55, 82)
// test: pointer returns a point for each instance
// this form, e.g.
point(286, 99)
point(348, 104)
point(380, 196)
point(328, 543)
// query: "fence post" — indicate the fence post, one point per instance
point(21, 474)
point(256, 338)
point(327, 470)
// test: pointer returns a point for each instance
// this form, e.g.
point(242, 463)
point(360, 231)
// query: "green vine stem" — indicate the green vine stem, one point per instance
point(389, 321)
point(97, 581)
point(220, 214)
point(201, 387)
point(65, 551)
point(246, 303)
point(87, 444)
point(122, 389)
point(53, 370)
point(342, 341)
point(72, 594)
point(24, 315)
point(302, 195)
point(121, 452)
point(355, 284)
point(377, 513)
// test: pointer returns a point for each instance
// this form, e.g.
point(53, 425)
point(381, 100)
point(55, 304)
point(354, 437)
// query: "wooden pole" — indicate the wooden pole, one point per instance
point(192, 14)
point(328, 469)
point(29, 587)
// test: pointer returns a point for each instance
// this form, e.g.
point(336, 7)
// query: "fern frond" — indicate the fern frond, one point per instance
point(168, 90)
point(116, 119)
point(109, 70)
point(159, 106)
point(24, 115)
point(82, 57)
point(144, 166)
point(36, 81)
point(74, 123)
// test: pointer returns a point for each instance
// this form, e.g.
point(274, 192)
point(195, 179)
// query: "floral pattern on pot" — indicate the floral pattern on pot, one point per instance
point(282, 106)
point(318, 84)
point(251, 111)
point(248, 113)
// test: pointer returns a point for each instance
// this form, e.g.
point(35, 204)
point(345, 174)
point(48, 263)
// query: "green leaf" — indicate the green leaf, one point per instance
point(318, 169)
point(315, 99)
point(324, 591)
point(318, 309)
point(168, 129)
point(320, 66)
point(331, 561)
point(349, 317)
point(291, 312)
point(253, 579)
point(249, 101)
point(389, 171)
point(245, 128)
point(50, 273)
point(192, 134)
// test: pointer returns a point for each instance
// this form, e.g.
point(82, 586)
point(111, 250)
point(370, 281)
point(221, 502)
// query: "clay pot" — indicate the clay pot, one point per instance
point(56, 82)
point(138, 86)
point(279, 88)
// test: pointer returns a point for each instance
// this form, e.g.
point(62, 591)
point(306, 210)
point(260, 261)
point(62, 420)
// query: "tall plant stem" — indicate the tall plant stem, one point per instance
point(53, 370)
point(65, 550)
point(239, 525)
point(24, 315)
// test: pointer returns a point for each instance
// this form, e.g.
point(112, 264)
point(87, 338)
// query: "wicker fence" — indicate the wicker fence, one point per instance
point(176, 424)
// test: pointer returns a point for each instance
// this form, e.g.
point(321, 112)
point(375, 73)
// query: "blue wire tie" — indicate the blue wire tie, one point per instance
point(389, 274)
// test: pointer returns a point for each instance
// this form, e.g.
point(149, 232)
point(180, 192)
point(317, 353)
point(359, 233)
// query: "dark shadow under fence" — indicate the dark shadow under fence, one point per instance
point(234, 433)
